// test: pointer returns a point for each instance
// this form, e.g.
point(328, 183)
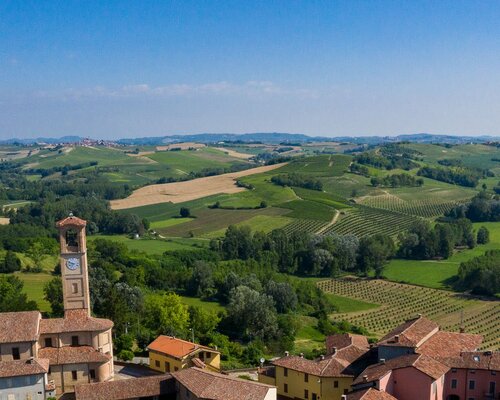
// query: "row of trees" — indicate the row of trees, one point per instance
point(389, 161)
point(481, 208)
point(396, 180)
point(306, 254)
point(481, 274)
point(424, 241)
point(462, 176)
point(298, 180)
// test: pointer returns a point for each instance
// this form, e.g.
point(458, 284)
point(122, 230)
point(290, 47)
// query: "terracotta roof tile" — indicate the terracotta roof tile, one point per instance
point(10, 369)
point(486, 360)
point(342, 340)
point(176, 347)
point(370, 394)
point(421, 362)
point(71, 221)
point(127, 388)
point(410, 334)
point(20, 326)
point(214, 386)
point(75, 321)
point(449, 344)
point(329, 367)
point(72, 355)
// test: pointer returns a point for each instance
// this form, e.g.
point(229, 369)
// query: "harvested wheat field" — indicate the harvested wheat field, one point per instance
point(181, 146)
point(235, 154)
point(179, 192)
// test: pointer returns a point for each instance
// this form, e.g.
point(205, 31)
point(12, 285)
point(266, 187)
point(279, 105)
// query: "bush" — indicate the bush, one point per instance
point(11, 263)
point(483, 235)
point(185, 212)
point(125, 355)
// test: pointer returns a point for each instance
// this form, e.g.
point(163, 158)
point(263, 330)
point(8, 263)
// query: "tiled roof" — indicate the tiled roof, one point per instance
point(71, 221)
point(72, 355)
point(18, 327)
point(370, 394)
point(175, 347)
point(449, 344)
point(421, 362)
point(10, 369)
point(75, 321)
point(214, 386)
point(127, 388)
point(410, 334)
point(487, 360)
point(329, 367)
point(342, 340)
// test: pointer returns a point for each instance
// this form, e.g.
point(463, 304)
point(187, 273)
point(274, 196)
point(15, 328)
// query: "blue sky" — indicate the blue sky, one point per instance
point(148, 68)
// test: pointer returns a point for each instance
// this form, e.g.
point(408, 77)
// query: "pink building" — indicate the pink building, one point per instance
point(409, 377)
point(473, 376)
point(418, 361)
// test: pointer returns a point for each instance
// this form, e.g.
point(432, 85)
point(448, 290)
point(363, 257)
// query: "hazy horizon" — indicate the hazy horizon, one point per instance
point(322, 68)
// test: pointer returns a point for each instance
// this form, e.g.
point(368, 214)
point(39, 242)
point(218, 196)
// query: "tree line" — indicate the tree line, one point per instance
point(298, 180)
point(396, 180)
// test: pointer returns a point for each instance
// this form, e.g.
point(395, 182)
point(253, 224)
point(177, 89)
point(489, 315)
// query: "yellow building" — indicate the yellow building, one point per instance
point(326, 378)
point(170, 354)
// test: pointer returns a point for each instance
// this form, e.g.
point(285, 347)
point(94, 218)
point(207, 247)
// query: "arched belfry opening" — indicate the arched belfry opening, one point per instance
point(72, 240)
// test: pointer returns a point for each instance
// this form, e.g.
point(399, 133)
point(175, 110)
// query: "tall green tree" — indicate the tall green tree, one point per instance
point(53, 293)
point(12, 297)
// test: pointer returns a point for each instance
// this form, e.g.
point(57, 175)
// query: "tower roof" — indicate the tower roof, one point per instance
point(71, 221)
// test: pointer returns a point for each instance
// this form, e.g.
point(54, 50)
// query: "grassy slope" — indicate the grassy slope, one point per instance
point(154, 246)
point(437, 274)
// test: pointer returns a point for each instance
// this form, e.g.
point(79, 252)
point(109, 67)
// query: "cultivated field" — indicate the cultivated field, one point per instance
point(179, 192)
point(399, 302)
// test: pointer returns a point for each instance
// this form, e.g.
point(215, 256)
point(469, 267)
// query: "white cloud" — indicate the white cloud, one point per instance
point(222, 88)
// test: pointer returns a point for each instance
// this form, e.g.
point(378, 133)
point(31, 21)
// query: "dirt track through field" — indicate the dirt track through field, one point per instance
point(179, 192)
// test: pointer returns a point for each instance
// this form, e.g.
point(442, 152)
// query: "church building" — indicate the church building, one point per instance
point(78, 347)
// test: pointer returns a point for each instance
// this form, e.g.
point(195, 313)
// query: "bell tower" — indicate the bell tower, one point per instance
point(74, 268)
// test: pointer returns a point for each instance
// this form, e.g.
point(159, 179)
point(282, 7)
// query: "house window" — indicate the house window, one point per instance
point(15, 353)
point(92, 373)
point(157, 363)
point(74, 341)
point(492, 388)
point(285, 387)
point(74, 375)
point(335, 384)
point(314, 396)
point(346, 391)
point(50, 370)
point(306, 394)
point(472, 385)
point(306, 378)
point(285, 372)
point(453, 383)
point(48, 342)
point(453, 370)
point(207, 355)
point(176, 369)
point(167, 366)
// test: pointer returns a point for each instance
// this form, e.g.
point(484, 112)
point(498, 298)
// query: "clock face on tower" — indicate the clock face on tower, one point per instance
point(72, 263)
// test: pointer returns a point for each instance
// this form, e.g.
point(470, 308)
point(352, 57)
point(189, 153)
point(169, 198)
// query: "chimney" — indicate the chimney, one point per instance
point(382, 360)
point(301, 355)
point(365, 378)
point(419, 315)
point(396, 338)
point(322, 357)
point(343, 397)
point(287, 353)
point(462, 329)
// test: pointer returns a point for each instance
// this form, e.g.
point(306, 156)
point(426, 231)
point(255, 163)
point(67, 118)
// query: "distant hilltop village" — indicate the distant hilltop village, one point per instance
point(72, 358)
